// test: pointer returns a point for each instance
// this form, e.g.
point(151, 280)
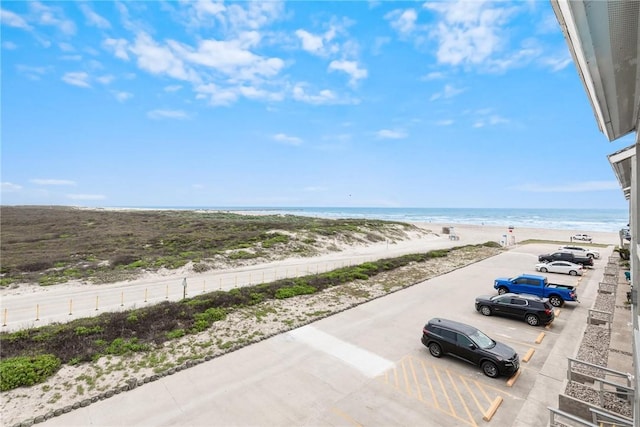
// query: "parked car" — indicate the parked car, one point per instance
point(562, 267)
point(531, 284)
point(530, 308)
point(448, 337)
point(581, 237)
point(579, 250)
point(585, 261)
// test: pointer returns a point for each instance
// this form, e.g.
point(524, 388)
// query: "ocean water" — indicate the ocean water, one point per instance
point(608, 220)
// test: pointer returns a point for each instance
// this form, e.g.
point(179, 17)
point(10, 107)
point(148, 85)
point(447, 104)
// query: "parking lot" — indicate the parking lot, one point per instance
point(367, 366)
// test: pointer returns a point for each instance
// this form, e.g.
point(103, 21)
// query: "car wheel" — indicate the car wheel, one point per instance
point(486, 310)
point(543, 269)
point(590, 256)
point(489, 369)
point(502, 290)
point(556, 301)
point(435, 349)
point(532, 319)
point(573, 273)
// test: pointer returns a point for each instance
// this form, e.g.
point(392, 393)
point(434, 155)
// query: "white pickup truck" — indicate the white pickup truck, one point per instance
point(580, 251)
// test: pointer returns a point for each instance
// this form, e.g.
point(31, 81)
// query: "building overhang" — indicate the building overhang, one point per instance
point(621, 163)
point(603, 40)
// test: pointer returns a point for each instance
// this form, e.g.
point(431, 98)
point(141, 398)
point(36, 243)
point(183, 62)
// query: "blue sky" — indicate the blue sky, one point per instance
point(283, 104)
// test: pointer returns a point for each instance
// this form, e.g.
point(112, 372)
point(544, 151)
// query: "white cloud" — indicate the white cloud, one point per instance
point(577, 187)
point(34, 73)
point(66, 47)
point(123, 96)
point(311, 43)
point(13, 20)
point(468, 32)
point(216, 94)
point(106, 79)
point(403, 21)
point(255, 93)
point(445, 122)
point(167, 114)
point(449, 91)
point(320, 44)
point(158, 59)
point(118, 47)
point(351, 68)
point(231, 57)
point(53, 16)
point(172, 88)
point(41, 181)
point(434, 75)
point(9, 45)
point(79, 78)
point(558, 63)
point(323, 97)
point(10, 187)
point(208, 7)
point(86, 196)
point(286, 139)
point(93, 18)
point(391, 134)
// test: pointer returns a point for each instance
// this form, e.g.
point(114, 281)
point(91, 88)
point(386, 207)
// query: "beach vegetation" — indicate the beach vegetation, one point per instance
point(144, 329)
point(48, 245)
point(26, 370)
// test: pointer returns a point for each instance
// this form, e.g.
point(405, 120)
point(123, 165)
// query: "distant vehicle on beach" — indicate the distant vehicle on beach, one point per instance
point(581, 237)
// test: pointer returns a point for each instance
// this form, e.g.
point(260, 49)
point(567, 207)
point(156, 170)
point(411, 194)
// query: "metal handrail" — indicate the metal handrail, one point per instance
point(609, 371)
point(553, 412)
point(600, 416)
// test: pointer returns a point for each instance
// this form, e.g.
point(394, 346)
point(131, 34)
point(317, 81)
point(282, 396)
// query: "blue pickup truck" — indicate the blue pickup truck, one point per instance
point(537, 285)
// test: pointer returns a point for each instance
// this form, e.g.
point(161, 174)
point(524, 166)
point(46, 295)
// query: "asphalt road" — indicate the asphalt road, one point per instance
point(367, 367)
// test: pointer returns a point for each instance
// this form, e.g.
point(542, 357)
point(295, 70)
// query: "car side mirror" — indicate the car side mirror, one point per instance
point(472, 346)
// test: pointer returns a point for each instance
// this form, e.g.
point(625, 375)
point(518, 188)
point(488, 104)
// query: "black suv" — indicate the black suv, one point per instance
point(585, 261)
point(530, 308)
point(467, 343)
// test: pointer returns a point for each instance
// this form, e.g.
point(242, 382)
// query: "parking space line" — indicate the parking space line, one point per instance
point(464, 404)
point(467, 399)
point(473, 396)
point(444, 390)
point(433, 393)
point(415, 380)
point(482, 387)
point(407, 383)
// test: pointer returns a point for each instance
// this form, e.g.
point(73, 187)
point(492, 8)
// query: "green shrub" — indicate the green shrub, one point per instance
point(211, 315)
point(27, 371)
point(292, 291)
point(122, 346)
point(176, 333)
point(83, 330)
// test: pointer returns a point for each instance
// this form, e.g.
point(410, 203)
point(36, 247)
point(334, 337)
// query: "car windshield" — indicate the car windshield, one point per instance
point(482, 340)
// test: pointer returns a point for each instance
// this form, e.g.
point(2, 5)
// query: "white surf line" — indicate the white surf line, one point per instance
point(366, 362)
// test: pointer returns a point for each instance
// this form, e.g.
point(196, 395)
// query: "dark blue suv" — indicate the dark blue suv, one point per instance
point(442, 336)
